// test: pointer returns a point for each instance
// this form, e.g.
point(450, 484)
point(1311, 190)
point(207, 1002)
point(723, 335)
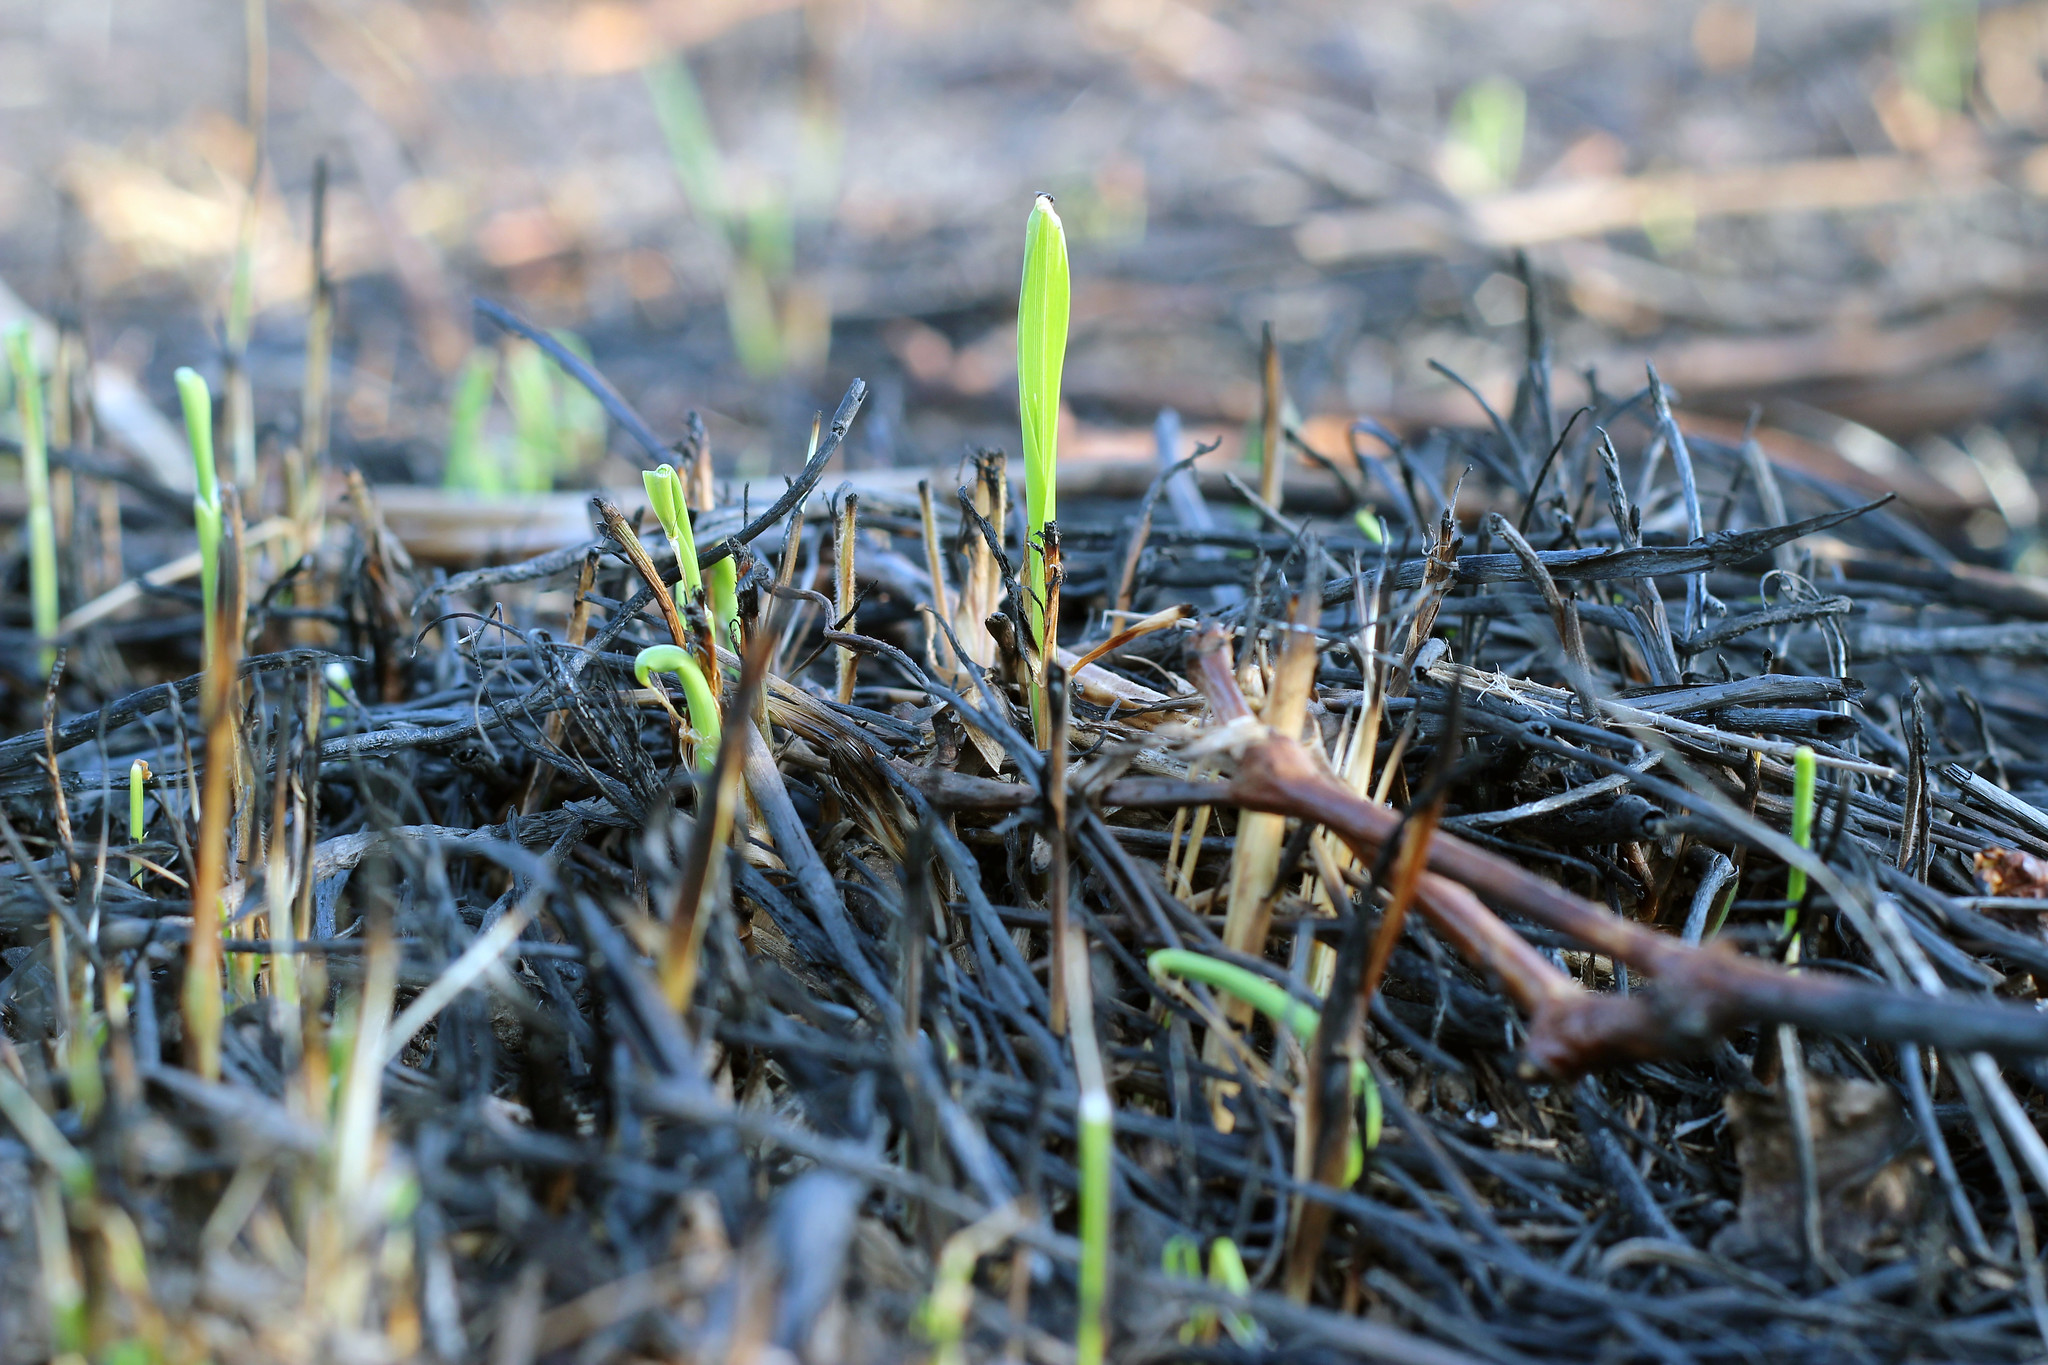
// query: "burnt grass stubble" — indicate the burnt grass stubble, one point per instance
point(867, 1063)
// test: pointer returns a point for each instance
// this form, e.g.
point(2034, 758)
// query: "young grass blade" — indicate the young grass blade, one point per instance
point(35, 473)
point(1803, 781)
point(197, 401)
point(1041, 356)
point(138, 780)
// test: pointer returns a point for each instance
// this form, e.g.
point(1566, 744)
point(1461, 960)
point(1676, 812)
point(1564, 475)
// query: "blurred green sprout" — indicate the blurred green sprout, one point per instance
point(1484, 150)
point(197, 401)
point(557, 426)
point(35, 474)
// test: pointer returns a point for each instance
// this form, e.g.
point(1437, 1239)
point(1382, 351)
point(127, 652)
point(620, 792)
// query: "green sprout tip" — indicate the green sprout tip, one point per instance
point(1042, 306)
point(1803, 782)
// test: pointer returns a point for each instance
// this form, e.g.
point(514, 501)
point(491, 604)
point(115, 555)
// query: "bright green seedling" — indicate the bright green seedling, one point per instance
point(1297, 1017)
point(1094, 1118)
point(469, 466)
point(665, 496)
point(697, 693)
point(1803, 779)
point(725, 602)
point(197, 401)
point(35, 475)
point(138, 824)
point(1042, 306)
point(1369, 525)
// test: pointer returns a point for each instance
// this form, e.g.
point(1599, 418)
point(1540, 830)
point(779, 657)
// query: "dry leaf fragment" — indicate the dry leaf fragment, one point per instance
point(2009, 872)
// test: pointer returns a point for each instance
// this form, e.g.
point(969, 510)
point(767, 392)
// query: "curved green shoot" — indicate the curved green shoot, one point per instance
point(35, 476)
point(1265, 996)
point(1297, 1017)
point(1803, 783)
point(1042, 307)
point(697, 693)
point(197, 401)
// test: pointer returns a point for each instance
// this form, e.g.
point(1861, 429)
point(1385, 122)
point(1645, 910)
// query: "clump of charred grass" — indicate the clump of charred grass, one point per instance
point(1316, 969)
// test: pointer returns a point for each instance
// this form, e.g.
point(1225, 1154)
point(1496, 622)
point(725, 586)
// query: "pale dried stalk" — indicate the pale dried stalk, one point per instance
point(844, 590)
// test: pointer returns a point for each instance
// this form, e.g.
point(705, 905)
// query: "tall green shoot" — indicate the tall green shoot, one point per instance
point(1804, 777)
point(1095, 1120)
point(35, 474)
point(1042, 307)
point(665, 496)
point(138, 821)
point(197, 401)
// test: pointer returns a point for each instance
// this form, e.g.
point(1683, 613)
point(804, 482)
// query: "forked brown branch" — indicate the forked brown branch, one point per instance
point(1698, 993)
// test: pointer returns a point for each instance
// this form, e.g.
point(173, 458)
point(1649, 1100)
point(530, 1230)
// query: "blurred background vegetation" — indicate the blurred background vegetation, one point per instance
point(1833, 208)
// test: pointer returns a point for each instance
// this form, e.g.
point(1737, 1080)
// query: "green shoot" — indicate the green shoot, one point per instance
point(35, 474)
point(1182, 1260)
point(1267, 997)
point(340, 687)
point(197, 401)
point(1939, 53)
point(1485, 147)
point(1369, 525)
point(665, 496)
point(582, 420)
point(759, 237)
point(468, 467)
point(1297, 1017)
point(1226, 1271)
point(1094, 1118)
point(537, 438)
point(1042, 306)
point(942, 1318)
point(1803, 779)
point(725, 602)
point(138, 824)
point(697, 693)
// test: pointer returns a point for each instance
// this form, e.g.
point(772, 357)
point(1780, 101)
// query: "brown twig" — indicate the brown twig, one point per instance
point(1700, 992)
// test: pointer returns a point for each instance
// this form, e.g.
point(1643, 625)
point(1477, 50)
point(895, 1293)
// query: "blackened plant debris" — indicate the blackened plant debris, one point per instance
point(537, 1040)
